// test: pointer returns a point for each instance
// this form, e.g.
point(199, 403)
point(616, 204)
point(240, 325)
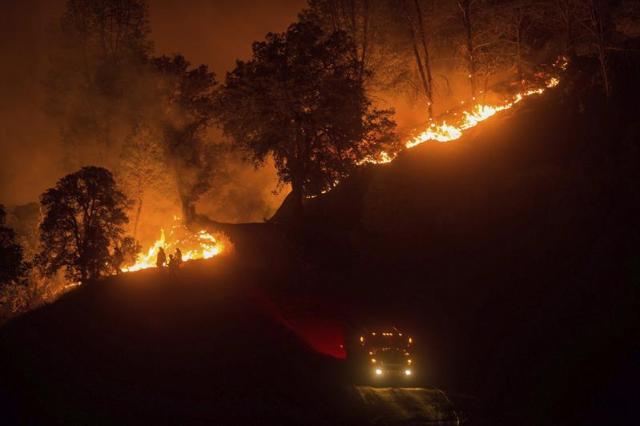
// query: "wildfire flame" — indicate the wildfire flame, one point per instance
point(199, 245)
point(453, 128)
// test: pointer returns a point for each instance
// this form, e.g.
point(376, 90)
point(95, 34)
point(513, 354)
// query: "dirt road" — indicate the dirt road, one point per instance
point(408, 406)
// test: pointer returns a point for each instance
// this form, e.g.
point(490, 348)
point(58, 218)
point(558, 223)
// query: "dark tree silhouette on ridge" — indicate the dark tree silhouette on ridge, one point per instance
point(12, 266)
point(301, 99)
point(83, 227)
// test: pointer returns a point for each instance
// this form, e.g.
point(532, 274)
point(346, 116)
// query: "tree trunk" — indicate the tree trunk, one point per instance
point(365, 38)
point(427, 62)
point(297, 196)
point(421, 70)
point(465, 11)
point(136, 221)
point(568, 41)
point(597, 22)
point(186, 199)
point(425, 85)
point(485, 87)
point(84, 273)
point(188, 209)
point(604, 70)
point(517, 24)
point(567, 11)
point(519, 59)
point(353, 23)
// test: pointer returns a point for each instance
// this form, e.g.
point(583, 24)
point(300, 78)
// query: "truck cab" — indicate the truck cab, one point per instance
point(387, 353)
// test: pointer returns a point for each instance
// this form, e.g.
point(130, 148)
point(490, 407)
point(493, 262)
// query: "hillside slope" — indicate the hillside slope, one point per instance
point(148, 348)
point(514, 252)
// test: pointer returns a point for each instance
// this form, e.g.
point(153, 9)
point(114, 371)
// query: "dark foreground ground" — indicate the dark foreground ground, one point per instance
point(199, 348)
point(207, 346)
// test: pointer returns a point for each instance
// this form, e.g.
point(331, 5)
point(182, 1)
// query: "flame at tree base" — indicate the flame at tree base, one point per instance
point(194, 246)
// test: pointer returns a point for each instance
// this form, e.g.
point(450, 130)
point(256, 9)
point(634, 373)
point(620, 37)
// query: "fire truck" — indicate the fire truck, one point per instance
point(387, 353)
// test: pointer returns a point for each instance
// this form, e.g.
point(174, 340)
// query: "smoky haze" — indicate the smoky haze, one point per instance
point(215, 33)
point(31, 159)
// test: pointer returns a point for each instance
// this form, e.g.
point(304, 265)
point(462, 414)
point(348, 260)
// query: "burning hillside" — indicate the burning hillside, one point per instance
point(452, 125)
point(193, 245)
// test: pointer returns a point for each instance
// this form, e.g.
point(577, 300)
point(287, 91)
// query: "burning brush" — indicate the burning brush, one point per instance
point(194, 245)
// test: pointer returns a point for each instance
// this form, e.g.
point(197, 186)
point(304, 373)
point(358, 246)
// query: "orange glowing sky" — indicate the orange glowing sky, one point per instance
point(214, 32)
point(217, 32)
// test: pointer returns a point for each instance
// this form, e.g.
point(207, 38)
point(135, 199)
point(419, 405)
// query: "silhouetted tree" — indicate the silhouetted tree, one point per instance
point(28, 288)
point(12, 266)
point(596, 28)
point(413, 13)
point(108, 94)
point(354, 17)
point(595, 17)
point(301, 99)
point(563, 17)
point(515, 25)
point(495, 37)
point(189, 105)
point(124, 252)
point(467, 13)
point(83, 225)
point(377, 44)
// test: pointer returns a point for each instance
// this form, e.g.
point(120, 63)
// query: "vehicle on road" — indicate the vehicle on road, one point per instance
point(386, 354)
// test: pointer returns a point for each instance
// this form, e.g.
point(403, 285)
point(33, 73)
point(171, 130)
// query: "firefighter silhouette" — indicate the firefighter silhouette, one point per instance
point(178, 257)
point(161, 260)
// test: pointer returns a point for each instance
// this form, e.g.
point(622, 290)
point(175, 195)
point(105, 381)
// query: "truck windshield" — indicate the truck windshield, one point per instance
point(381, 341)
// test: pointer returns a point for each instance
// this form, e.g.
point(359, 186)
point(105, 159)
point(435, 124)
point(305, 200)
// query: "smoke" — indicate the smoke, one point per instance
point(215, 33)
point(243, 194)
point(31, 156)
point(218, 33)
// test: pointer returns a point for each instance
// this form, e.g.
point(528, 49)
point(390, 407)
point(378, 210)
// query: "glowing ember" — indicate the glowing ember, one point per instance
point(553, 82)
point(199, 245)
point(70, 286)
point(445, 132)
